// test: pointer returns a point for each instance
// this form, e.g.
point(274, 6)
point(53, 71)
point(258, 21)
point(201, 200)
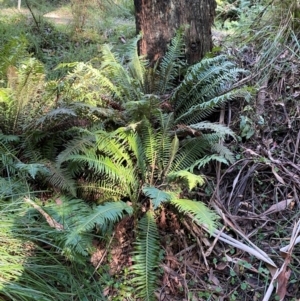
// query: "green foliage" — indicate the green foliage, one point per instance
point(145, 257)
point(191, 179)
point(78, 221)
point(29, 271)
point(109, 134)
point(206, 86)
point(199, 212)
point(156, 195)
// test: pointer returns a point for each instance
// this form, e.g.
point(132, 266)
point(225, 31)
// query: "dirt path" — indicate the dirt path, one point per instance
point(59, 16)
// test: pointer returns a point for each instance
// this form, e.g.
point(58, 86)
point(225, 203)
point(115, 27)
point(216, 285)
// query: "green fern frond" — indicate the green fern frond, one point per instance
point(103, 165)
point(204, 107)
point(112, 68)
point(147, 106)
point(224, 152)
point(156, 195)
point(207, 159)
point(137, 65)
point(135, 145)
point(57, 114)
point(191, 179)
point(200, 213)
point(150, 148)
point(78, 237)
point(77, 145)
point(206, 86)
point(190, 151)
point(13, 53)
point(9, 138)
point(19, 99)
point(219, 129)
point(145, 258)
point(32, 169)
point(170, 64)
point(60, 178)
point(104, 190)
point(167, 146)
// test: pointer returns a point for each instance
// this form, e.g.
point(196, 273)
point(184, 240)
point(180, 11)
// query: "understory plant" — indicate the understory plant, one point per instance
point(134, 141)
point(154, 157)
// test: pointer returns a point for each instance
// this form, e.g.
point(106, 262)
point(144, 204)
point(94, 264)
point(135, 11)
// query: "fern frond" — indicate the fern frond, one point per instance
point(32, 168)
point(135, 145)
point(145, 258)
point(150, 148)
point(206, 86)
point(60, 178)
point(204, 107)
point(78, 237)
point(108, 212)
point(223, 151)
point(219, 129)
point(207, 159)
point(171, 63)
point(112, 67)
point(156, 195)
point(189, 152)
point(103, 165)
point(167, 146)
point(191, 179)
point(104, 190)
point(77, 145)
point(57, 114)
point(137, 65)
point(200, 213)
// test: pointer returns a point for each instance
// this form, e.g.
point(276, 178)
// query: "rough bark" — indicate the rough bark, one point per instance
point(158, 21)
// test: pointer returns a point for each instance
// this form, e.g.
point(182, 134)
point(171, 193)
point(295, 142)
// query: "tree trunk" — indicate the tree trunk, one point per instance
point(158, 21)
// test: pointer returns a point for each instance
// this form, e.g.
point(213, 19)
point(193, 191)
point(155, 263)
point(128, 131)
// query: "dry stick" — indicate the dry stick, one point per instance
point(288, 253)
point(51, 222)
point(210, 249)
point(33, 16)
point(103, 256)
point(202, 252)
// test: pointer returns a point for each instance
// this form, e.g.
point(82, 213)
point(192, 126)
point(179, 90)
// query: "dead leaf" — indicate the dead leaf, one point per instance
point(282, 205)
point(213, 279)
point(282, 282)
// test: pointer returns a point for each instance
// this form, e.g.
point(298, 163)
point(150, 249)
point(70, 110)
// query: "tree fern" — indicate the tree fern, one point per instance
point(145, 258)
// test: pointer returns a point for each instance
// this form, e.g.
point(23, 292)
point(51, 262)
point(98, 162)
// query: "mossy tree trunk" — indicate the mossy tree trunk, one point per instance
point(158, 21)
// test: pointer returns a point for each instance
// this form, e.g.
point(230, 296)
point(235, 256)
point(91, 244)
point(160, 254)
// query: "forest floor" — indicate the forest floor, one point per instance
point(256, 197)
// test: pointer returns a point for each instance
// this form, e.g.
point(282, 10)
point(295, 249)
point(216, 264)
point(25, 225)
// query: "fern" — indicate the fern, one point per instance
point(171, 64)
point(18, 100)
point(191, 179)
point(146, 258)
point(78, 238)
point(199, 212)
point(60, 178)
point(156, 195)
point(206, 86)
